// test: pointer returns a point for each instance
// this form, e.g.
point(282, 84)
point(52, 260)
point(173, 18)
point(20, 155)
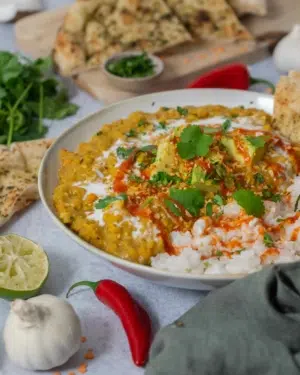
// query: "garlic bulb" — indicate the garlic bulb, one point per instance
point(286, 55)
point(10, 8)
point(41, 333)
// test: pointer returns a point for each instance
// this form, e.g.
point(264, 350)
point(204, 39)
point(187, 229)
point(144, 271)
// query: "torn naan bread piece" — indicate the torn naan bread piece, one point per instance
point(287, 107)
point(257, 7)
point(210, 19)
point(94, 30)
point(19, 166)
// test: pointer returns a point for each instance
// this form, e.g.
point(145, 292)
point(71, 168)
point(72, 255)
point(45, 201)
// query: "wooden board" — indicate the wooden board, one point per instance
point(35, 36)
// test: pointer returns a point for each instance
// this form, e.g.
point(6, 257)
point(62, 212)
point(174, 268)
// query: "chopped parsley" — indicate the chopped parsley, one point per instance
point(149, 148)
point(218, 200)
point(268, 195)
point(164, 179)
point(226, 125)
point(296, 208)
point(161, 125)
point(268, 241)
point(182, 111)
point(142, 123)
point(133, 177)
point(250, 202)
point(193, 142)
point(103, 203)
point(191, 199)
point(134, 66)
point(172, 207)
point(124, 153)
point(209, 209)
point(257, 142)
point(147, 202)
point(259, 178)
point(131, 133)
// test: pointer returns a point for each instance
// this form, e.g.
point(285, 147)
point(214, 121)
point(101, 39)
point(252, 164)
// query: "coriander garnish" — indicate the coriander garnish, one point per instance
point(182, 111)
point(193, 142)
point(132, 66)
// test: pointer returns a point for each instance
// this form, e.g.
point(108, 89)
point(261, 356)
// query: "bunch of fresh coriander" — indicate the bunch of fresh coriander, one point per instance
point(28, 95)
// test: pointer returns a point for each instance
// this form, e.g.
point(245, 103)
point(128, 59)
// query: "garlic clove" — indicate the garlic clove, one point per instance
point(286, 54)
point(10, 8)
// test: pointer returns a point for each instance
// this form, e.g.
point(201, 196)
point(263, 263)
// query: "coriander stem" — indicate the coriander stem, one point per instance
point(12, 112)
point(41, 109)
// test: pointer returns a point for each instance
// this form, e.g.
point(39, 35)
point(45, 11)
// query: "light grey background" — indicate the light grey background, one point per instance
point(70, 263)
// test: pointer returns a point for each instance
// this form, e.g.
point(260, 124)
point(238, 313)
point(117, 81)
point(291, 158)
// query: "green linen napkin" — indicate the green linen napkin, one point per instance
point(250, 327)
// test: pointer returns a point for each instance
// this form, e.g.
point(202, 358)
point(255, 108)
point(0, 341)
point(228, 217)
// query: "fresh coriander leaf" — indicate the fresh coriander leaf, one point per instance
point(149, 148)
point(279, 220)
point(164, 179)
point(161, 125)
point(220, 170)
point(218, 200)
point(206, 264)
point(240, 250)
point(142, 123)
point(259, 178)
point(219, 253)
point(296, 208)
point(203, 145)
point(165, 108)
point(135, 178)
point(131, 133)
point(3, 93)
point(124, 153)
point(250, 202)
point(268, 195)
point(11, 70)
point(103, 203)
point(191, 199)
point(209, 209)
point(268, 241)
point(172, 207)
point(182, 111)
point(193, 143)
point(257, 142)
point(44, 65)
point(226, 125)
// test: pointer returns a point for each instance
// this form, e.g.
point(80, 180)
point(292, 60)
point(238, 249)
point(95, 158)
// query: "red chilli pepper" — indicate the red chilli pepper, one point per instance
point(134, 318)
point(233, 76)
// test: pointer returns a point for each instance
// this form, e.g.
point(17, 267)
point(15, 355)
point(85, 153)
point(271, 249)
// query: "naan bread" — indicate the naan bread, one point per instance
point(257, 7)
point(19, 166)
point(94, 30)
point(209, 19)
point(287, 106)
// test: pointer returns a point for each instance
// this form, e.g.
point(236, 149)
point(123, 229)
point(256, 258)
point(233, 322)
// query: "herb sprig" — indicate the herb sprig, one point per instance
point(28, 95)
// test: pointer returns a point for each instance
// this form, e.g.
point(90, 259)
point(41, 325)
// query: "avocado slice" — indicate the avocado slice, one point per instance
point(199, 180)
point(165, 160)
point(251, 155)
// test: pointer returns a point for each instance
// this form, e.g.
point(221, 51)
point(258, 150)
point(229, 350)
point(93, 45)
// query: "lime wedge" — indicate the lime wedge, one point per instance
point(24, 267)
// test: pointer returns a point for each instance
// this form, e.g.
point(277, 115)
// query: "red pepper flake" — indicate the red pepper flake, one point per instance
point(83, 339)
point(89, 354)
point(82, 369)
point(186, 60)
point(219, 50)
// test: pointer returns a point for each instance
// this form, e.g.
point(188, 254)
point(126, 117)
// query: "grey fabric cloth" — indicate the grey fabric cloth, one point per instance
point(250, 327)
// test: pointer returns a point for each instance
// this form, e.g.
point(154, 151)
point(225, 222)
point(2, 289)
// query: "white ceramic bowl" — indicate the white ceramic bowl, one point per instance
point(88, 126)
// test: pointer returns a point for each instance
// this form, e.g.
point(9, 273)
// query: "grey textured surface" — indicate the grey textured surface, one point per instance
point(70, 263)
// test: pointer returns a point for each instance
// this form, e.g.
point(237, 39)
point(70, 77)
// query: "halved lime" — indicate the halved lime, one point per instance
point(24, 267)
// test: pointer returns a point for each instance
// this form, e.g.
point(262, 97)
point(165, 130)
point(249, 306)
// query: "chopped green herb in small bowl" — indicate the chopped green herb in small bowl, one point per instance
point(133, 71)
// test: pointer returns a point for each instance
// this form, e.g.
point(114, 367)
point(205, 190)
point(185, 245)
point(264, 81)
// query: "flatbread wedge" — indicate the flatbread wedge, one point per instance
point(210, 19)
point(19, 166)
point(93, 30)
point(287, 106)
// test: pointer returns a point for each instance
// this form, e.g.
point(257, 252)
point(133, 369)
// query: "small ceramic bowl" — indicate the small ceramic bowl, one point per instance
point(138, 85)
